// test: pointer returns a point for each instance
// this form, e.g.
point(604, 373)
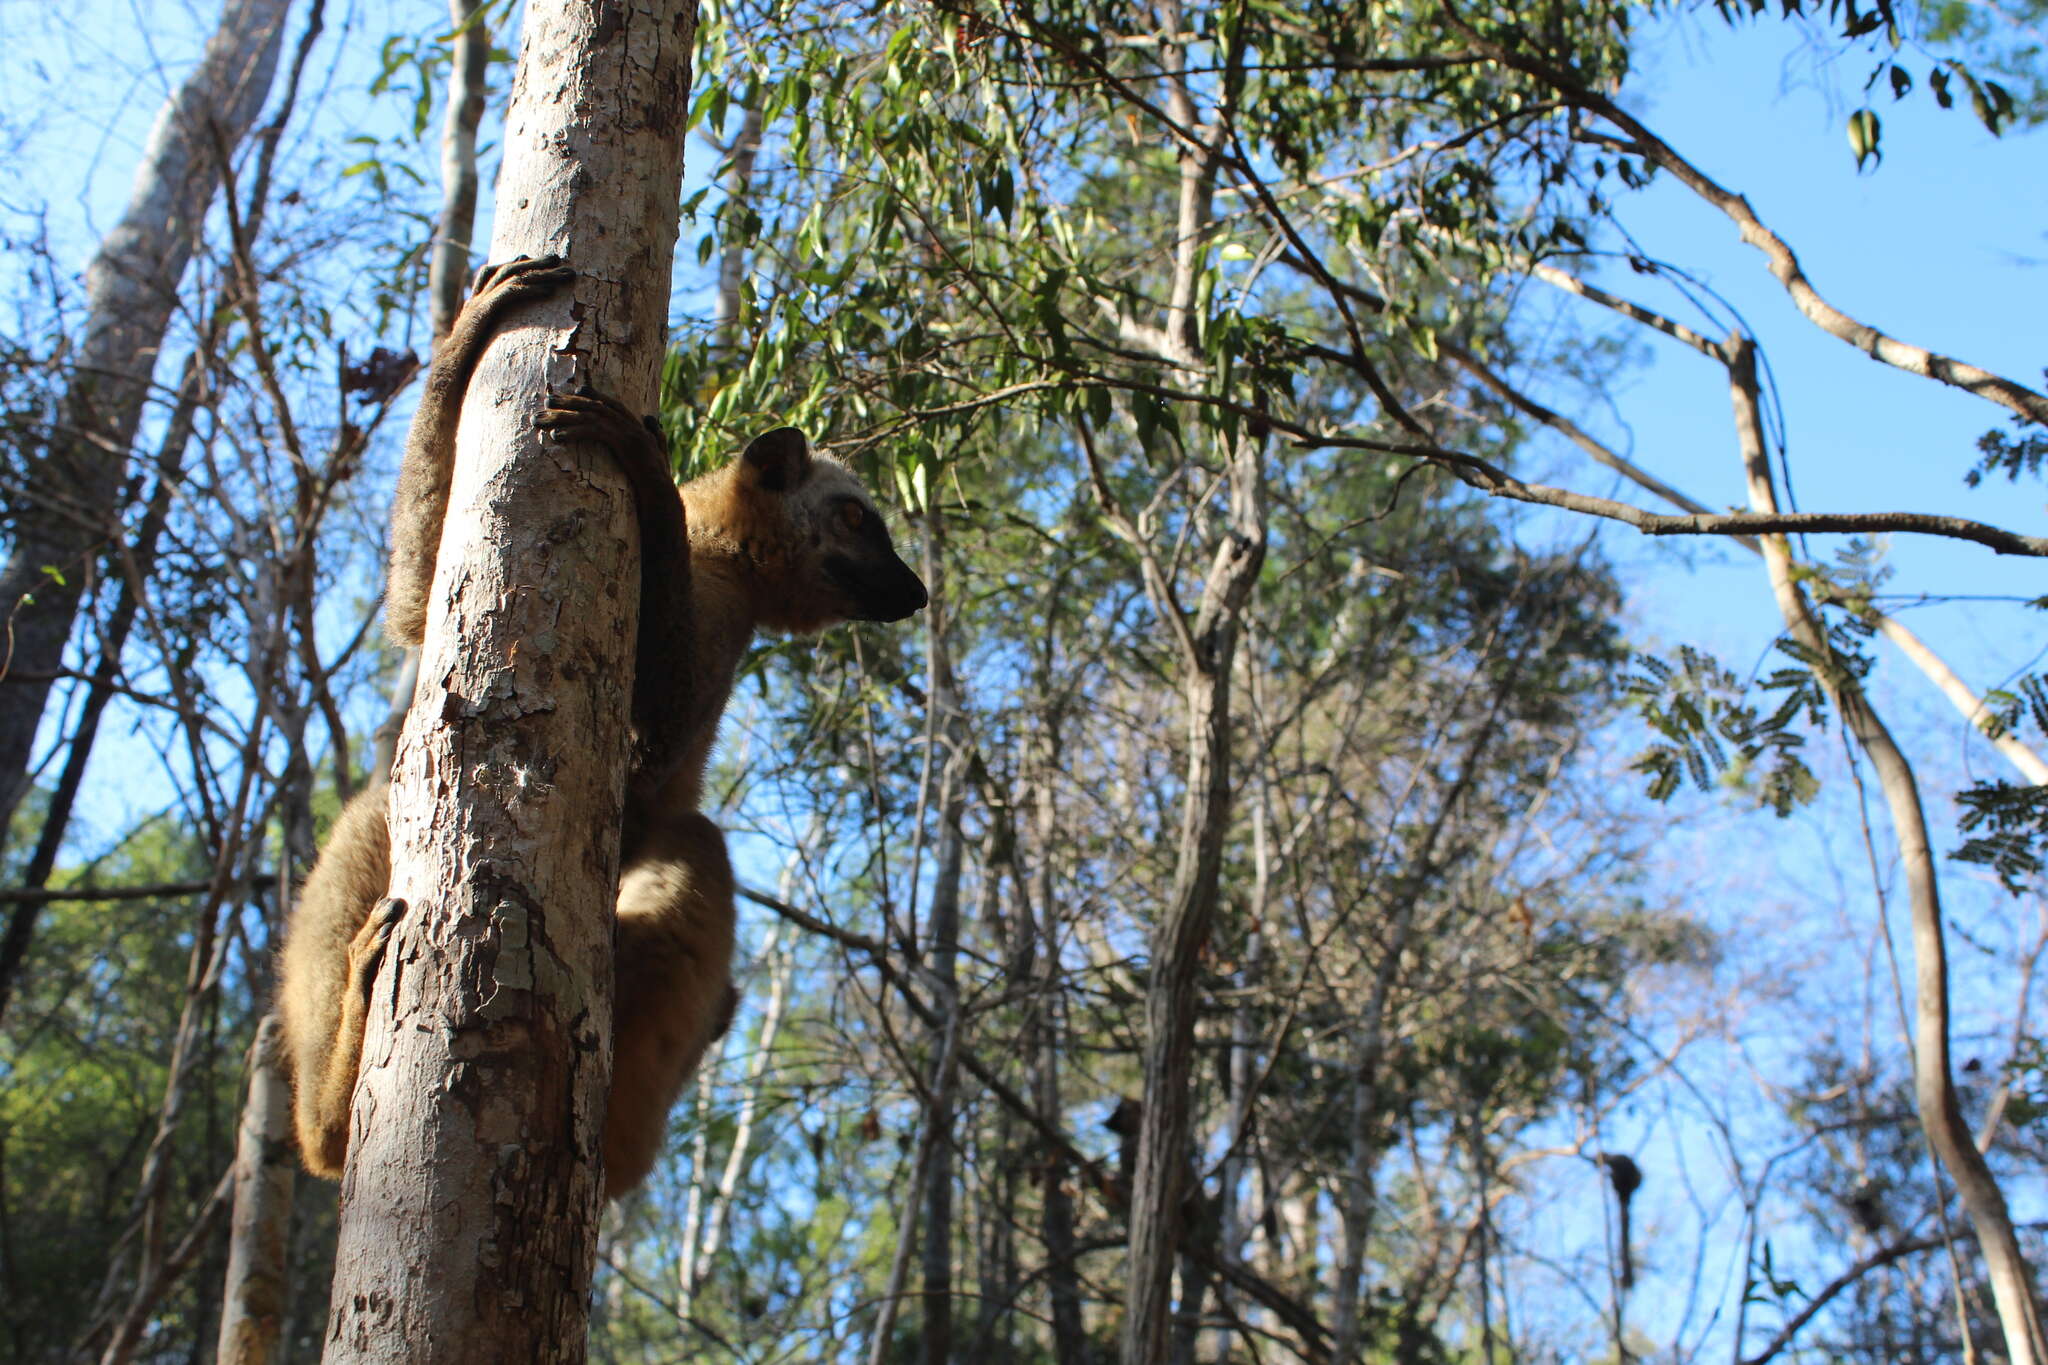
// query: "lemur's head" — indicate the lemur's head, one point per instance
point(824, 550)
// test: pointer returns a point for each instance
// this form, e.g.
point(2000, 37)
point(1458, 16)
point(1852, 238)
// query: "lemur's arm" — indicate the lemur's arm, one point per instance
point(663, 675)
point(424, 475)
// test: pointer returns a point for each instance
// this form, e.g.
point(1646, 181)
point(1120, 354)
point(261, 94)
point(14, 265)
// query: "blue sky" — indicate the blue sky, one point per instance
point(1945, 244)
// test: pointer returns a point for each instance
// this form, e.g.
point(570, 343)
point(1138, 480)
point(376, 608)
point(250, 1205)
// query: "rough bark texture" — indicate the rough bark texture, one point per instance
point(470, 1201)
point(1934, 1091)
point(70, 511)
point(252, 1309)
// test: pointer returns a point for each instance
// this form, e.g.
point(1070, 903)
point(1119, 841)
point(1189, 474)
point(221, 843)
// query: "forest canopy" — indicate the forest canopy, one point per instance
point(1471, 788)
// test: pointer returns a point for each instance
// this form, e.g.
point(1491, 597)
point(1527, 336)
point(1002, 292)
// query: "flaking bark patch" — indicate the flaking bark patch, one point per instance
point(471, 1195)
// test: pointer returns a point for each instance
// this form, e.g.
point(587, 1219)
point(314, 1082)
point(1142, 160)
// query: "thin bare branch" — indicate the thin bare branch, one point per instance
point(1784, 263)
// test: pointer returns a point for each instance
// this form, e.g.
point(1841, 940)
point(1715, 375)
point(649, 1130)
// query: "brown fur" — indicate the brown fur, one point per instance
point(776, 540)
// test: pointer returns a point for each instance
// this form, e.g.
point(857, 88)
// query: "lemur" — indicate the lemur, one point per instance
point(779, 539)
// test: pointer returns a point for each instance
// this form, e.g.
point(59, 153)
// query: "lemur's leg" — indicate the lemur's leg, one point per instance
point(673, 965)
point(674, 993)
point(424, 475)
point(328, 966)
point(663, 674)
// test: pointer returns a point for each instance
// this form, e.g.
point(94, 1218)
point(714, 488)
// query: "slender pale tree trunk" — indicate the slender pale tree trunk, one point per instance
point(884, 1331)
point(470, 1201)
point(448, 271)
point(949, 735)
point(448, 266)
point(252, 1308)
point(699, 1252)
point(1208, 646)
point(1934, 1091)
point(256, 1287)
point(732, 265)
point(1042, 1044)
point(1159, 1185)
point(937, 1337)
point(71, 506)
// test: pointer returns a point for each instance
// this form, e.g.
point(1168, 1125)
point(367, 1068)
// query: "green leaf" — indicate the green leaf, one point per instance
point(1101, 408)
point(999, 194)
point(913, 482)
point(1863, 136)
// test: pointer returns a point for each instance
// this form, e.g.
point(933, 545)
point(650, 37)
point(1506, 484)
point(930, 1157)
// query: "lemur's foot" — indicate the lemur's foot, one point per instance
point(587, 415)
point(522, 279)
point(366, 950)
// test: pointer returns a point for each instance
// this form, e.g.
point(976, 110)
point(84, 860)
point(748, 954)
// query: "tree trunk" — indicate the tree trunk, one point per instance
point(1158, 1186)
point(252, 1309)
point(699, 1252)
point(1043, 1036)
point(1934, 1091)
point(937, 1342)
point(70, 510)
point(21, 924)
point(449, 269)
point(732, 264)
point(470, 1200)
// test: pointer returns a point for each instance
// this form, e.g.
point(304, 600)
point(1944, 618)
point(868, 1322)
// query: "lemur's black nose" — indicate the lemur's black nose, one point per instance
point(904, 598)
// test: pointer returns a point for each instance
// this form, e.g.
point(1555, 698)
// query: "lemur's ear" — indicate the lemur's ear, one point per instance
point(778, 459)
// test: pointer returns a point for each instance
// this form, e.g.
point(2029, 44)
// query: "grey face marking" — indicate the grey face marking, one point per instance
point(855, 555)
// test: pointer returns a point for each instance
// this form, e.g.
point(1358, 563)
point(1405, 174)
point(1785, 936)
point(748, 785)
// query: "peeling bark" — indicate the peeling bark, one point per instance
point(470, 1201)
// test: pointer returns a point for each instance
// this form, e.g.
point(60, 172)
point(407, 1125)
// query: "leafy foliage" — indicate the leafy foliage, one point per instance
point(1045, 277)
point(2014, 457)
point(2007, 829)
point(1712, 732)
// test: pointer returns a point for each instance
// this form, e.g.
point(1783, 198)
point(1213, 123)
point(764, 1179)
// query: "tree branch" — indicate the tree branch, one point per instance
point(1784, 263)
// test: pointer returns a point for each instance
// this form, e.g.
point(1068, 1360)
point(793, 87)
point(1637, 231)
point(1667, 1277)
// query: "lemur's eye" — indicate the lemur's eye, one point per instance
point(853, 514)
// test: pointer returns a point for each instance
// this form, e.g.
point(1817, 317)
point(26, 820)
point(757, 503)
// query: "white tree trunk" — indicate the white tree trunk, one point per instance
point(470, 1201)
point(131, 288)
point(449, 264)
point(252, 1308)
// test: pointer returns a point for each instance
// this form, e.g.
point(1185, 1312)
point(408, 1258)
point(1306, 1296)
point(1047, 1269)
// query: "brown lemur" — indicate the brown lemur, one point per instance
point(779, 539)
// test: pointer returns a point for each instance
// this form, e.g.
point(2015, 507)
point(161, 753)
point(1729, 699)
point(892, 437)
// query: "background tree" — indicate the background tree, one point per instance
point(62, 512)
